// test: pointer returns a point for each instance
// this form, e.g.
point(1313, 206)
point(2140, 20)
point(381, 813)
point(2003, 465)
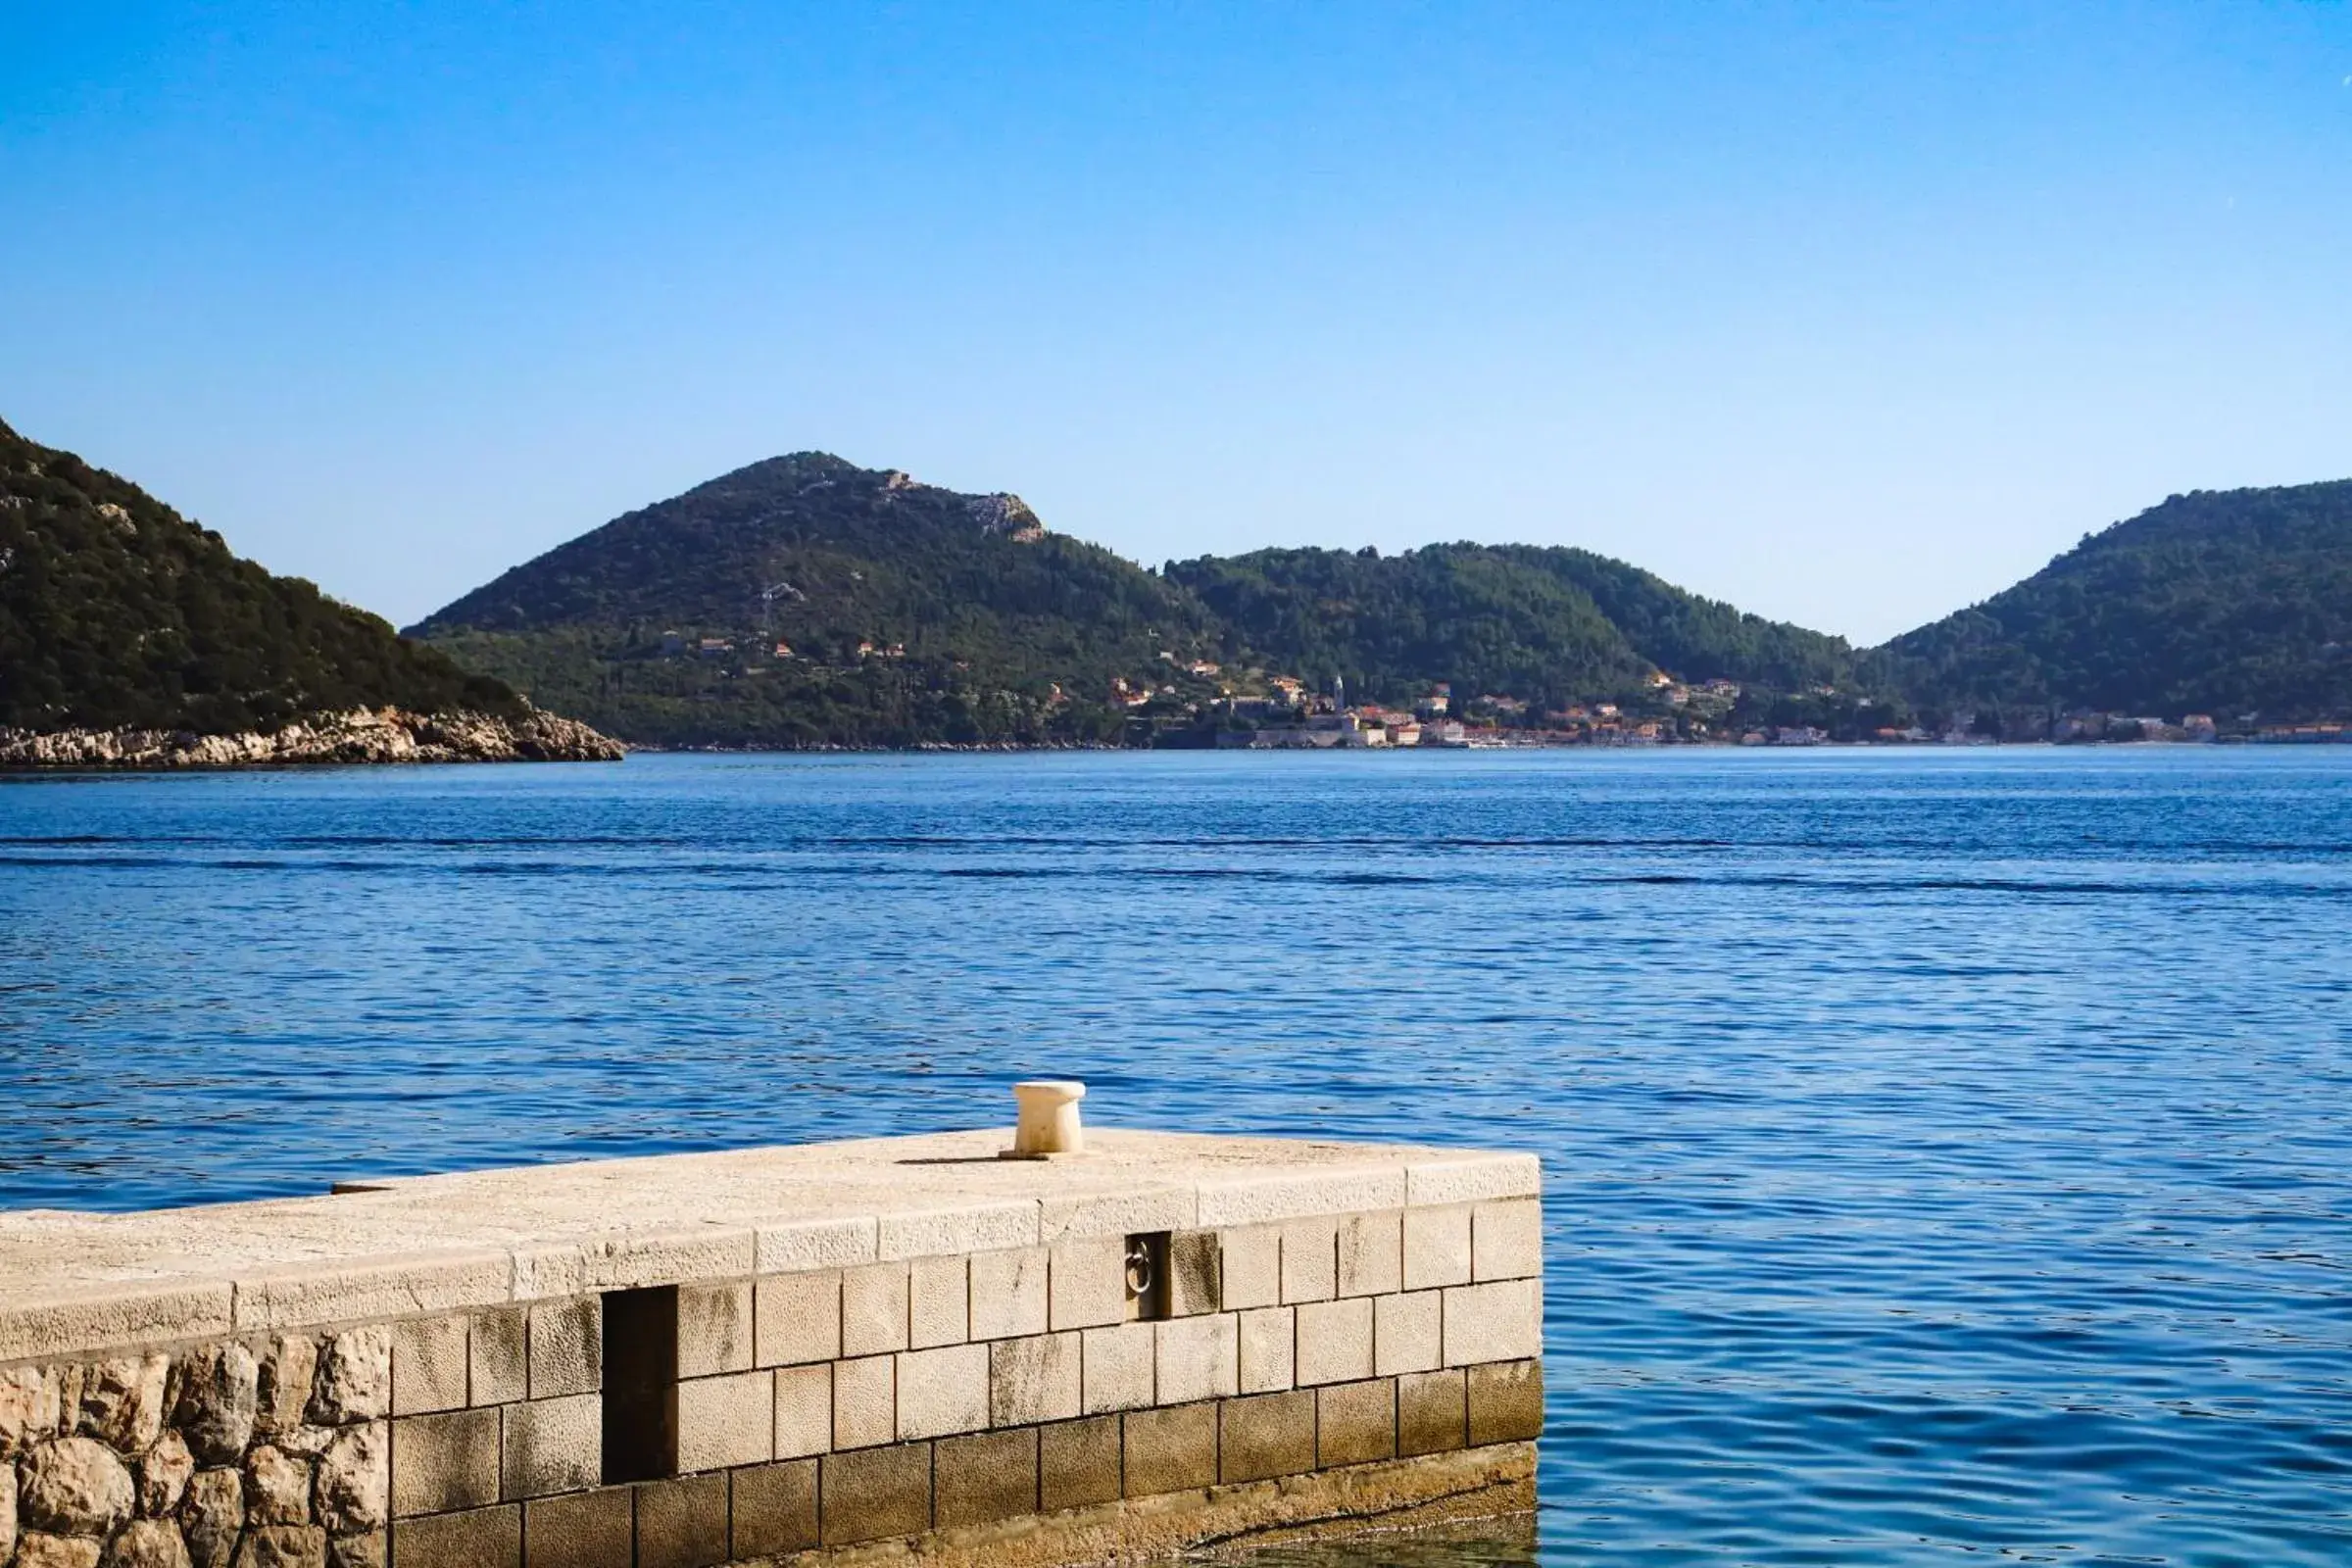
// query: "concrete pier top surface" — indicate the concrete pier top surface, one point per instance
point(71, 1282)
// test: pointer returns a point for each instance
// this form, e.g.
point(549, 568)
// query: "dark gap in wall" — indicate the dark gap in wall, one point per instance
point(641, 1384)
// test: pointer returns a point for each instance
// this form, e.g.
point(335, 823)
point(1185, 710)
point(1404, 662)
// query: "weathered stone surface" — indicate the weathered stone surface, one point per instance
point(308, 1440)
point(1197, 1358)
point(1371, 1254)
point(352, 1491)
point(1268, 1349)
point(773, 1513)
point(1355, 1423)
point(282, 1546)
point(680, 1524)
point(799, 1318)
point(1335, 1341)
point(1193, 1284)
point(122, 1402)
point(211, 1517)
point(484, 1537)
point(1008, 1293)
point(803, 1410)
point(442, 1463)
point(558, 1445)
point(288, 1371)
point(1171, 1449)
point(1436, 1248)
point(723, 1421)
point(1250, 1267)
point(355, 1377)
point(148, 1543)
point(715, 1329)
point(429, 1358)
point(29, 1407)
point(164, 1474)
point(76, 1486)
point(943, 1391)
point(1267, 1435)
point(873, 1309)
point(219, 1390)
point(499, 1367)
point(1115, 1367)
point(277, 1488)
point(1078, 1463)
point(1407, 1331)
point(874, 1494)
point(1310, 1260)
point(8, 1510)
point(866, 1407)
point(1506, 1402)
point(38, 1550)
point(1431, 1412)
point(1086, 1284)
point(1033, 1378)
point(568, 1347)
point(585, 1529)
point(1507, 1239)
point(985, 1478)
point(939, 1301)
point(370, 1550)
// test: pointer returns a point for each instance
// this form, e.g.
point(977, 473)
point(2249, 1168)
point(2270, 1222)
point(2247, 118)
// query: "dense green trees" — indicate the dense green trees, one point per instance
point(2231, 603)
point(116, 611)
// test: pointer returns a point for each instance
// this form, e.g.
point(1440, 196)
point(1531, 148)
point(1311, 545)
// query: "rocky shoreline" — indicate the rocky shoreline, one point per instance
point(359, 735)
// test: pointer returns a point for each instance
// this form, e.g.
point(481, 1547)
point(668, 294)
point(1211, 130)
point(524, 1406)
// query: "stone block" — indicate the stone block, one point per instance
point(164, 1474)
point(220, 1392)
point(498, 1357)
point(1507, 1239)
point(370, 1550)
point(1408, 1332)
point(1118, 1215)
point(876, 1494)
point(567, 1347)
point(354, 1378)
point(960, 1228)
point(1372, 1253)
point(1008, 1293)
point(1310, 1260)
point(123, 1401)
point(1115, 1368)
point(483, 1538)
point(351, 1493)
point(634, 1262)
point(799, 1318)
point(939, 1303)
point(1335, 1341)
point(1471, 1177)
point(817, 1244)
point(133, 1314)
point(865, 1406)
point(774, 1510)
point(1248, 1267)
point(1078, 1463)
point(1355, 1423)
point(983, 1479)
point(680, 1523)
point(143, 1543)
point(803, 1410)
point(943, 1391)
point(76, 1486)
point(1253, 1200)
point(1506, 1402)
point(715, 1329)
point(30, 1407)
point(212, 1515)
point(442, 1463)
point(1498, 1322)
point(873, 1309)
point(287, 1373)
point(1194, 1286)
point(429, 1360)
point(282, 1546)
point(1436, 1248)
point(375, 1289)
point(277, 1487)
point(1033, 1378)
point(1087, 1285)
point(1266, 1434)
point(726, 1421)
point(43, 1550)
point(1197, 1358)
point(1171, 1449)
point(552, 1446)
point(1267, 1349)
point(585, 1529)
point(1432, 1412)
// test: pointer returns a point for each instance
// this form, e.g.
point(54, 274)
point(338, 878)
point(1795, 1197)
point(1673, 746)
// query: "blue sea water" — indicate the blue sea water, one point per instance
point(1946, 1151)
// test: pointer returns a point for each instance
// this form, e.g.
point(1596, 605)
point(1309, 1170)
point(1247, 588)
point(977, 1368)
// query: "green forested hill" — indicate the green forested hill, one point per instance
point(117, 611)
point(2231, 603)
point(1543, 623)
point(907, 613)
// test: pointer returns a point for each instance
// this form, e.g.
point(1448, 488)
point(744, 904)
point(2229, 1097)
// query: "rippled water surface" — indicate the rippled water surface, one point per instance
point(1947, 1153)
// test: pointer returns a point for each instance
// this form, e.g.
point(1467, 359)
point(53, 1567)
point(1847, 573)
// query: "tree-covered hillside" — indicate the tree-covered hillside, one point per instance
point(2231, 603)
point(1541, 623)
point(117, 611)
point(842, 605)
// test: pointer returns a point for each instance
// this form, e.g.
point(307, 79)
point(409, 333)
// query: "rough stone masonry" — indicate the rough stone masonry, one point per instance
point(832, 1353)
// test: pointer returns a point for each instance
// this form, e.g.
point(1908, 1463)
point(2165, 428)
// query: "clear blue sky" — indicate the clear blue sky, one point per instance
point(1850, 315)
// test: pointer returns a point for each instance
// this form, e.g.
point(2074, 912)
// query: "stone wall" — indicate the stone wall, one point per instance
point(814, 1409)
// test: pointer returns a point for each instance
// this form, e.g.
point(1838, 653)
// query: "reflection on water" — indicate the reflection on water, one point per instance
point(1946, 1153)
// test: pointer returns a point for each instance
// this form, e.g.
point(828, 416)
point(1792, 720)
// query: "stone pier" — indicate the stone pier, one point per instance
point(830, 1352)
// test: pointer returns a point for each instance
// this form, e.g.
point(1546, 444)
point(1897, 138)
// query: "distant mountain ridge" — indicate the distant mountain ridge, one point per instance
point(127, 633)
point(2235, 604)
point(907, 613)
